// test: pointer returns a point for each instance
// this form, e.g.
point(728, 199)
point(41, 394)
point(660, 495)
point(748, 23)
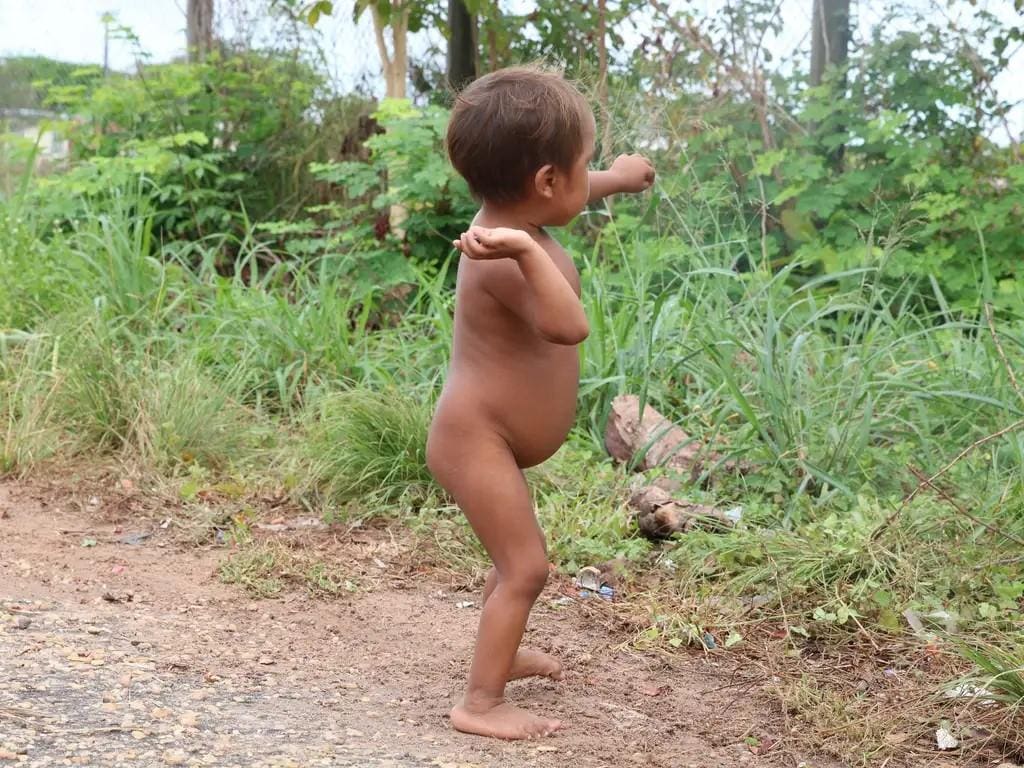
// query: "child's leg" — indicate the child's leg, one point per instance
point(527, 663)
point(482, 474)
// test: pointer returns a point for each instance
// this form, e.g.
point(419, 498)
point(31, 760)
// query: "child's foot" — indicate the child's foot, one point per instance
point(502, 721)
point(535, 664)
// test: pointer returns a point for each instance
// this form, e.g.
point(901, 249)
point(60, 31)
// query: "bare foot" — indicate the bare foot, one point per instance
point(535, 664)
point(502, 721)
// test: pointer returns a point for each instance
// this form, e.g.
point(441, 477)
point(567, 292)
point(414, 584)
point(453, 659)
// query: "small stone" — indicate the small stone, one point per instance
point(22, 622)
point(189, 719)
point(175, 757)
point(160, 713)
point(138, 735)
point(353, 733)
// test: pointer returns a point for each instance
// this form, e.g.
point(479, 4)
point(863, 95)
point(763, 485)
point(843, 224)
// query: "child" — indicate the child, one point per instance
point(522, 139)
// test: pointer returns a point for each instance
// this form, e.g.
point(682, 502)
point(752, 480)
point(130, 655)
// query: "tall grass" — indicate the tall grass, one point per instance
point(833, 387)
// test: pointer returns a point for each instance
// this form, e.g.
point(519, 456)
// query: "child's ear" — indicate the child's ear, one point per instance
point(544, 181)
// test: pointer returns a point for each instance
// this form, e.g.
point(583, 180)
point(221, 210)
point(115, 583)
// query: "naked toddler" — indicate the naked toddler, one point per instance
point(522, 138)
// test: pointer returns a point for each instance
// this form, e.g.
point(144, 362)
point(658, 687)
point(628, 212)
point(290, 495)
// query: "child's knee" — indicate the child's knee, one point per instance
point(528, 578)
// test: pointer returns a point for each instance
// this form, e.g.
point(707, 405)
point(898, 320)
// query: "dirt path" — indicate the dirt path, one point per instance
point(118, 654)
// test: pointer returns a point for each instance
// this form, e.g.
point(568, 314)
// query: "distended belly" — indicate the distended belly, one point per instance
point(532, 411)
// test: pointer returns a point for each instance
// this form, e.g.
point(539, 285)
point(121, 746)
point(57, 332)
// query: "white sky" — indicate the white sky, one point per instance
point(71, 30)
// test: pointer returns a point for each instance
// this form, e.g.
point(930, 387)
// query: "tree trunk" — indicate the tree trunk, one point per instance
point(830, 36)
point(394, 63)
point(199, 29)
point(461, 45)
point(602, 81)
point(830, 41)
point(396, 71)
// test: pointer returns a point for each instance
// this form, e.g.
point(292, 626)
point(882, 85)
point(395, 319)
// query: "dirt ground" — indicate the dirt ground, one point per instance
point(119, 649)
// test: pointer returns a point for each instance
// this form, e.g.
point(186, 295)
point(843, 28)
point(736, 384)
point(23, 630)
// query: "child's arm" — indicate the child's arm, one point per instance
point(629, 173)
point(528, 283)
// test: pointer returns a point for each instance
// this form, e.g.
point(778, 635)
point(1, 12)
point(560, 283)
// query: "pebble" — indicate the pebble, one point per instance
point(189, 719)
point(175, 757)
point(22, 622)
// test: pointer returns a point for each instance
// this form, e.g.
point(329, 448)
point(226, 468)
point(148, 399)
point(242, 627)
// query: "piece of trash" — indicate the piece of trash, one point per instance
point(968, 691)
point(166, 522)
point(945, 740)
point(709, 641)
point(94, 501)
point(890, 672)
point(89, 542)
point(735, 514)
point(136, 538)
point(564, 600)
point(584, 593)
point(947, 620)
point(606, 592)
point(668, 564)
point(913, 620)
point(734, 638)
point(464, 604)
point(590, 578)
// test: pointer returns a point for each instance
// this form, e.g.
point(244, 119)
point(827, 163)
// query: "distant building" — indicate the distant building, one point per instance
point(34, 125)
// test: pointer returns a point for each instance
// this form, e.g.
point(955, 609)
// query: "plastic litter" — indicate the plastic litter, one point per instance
point(606, 592)
point(945, 740)
point(735, 514)
point(968, 691)
point(590, 578)
point(135, 538)
point(709, 641)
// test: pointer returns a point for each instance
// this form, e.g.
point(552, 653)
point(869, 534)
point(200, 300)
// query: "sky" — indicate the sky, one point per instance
point(71, 30)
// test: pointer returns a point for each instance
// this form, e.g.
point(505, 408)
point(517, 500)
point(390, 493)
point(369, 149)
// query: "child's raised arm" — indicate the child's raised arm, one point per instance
point(537, 290)
point(629, 173)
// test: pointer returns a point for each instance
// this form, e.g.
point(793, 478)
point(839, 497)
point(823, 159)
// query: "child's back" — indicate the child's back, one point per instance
point(522, 138)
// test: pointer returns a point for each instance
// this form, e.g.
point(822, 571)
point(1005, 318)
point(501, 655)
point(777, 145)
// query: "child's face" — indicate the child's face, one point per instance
point(575, 185)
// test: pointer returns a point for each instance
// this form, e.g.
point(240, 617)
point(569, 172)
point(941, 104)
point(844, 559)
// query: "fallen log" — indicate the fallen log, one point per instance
point(660, 515)
point(650, 440)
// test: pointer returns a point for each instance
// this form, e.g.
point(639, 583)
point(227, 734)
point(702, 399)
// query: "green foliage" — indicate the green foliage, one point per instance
point(400, 208)
point(368, 447)
point(1001, 672)
point(210, 155)
point(887, 165)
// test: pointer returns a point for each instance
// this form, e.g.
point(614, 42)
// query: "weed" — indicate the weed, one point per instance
point(366, 446)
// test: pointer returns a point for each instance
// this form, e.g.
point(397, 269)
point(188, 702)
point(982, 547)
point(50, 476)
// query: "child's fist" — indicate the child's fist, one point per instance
point(634, 172)
point(497, 243)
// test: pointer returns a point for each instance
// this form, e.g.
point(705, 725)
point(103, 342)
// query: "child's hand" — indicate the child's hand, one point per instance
point(497, 243)
point(633, 172)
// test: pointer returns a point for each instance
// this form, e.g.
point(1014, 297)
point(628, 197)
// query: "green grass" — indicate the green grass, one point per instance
point(365, 446)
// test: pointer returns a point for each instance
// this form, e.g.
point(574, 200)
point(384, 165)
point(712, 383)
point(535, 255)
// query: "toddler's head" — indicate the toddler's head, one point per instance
point(522, 134)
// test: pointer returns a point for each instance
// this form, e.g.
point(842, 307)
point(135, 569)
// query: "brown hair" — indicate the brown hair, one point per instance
point(509, 123)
